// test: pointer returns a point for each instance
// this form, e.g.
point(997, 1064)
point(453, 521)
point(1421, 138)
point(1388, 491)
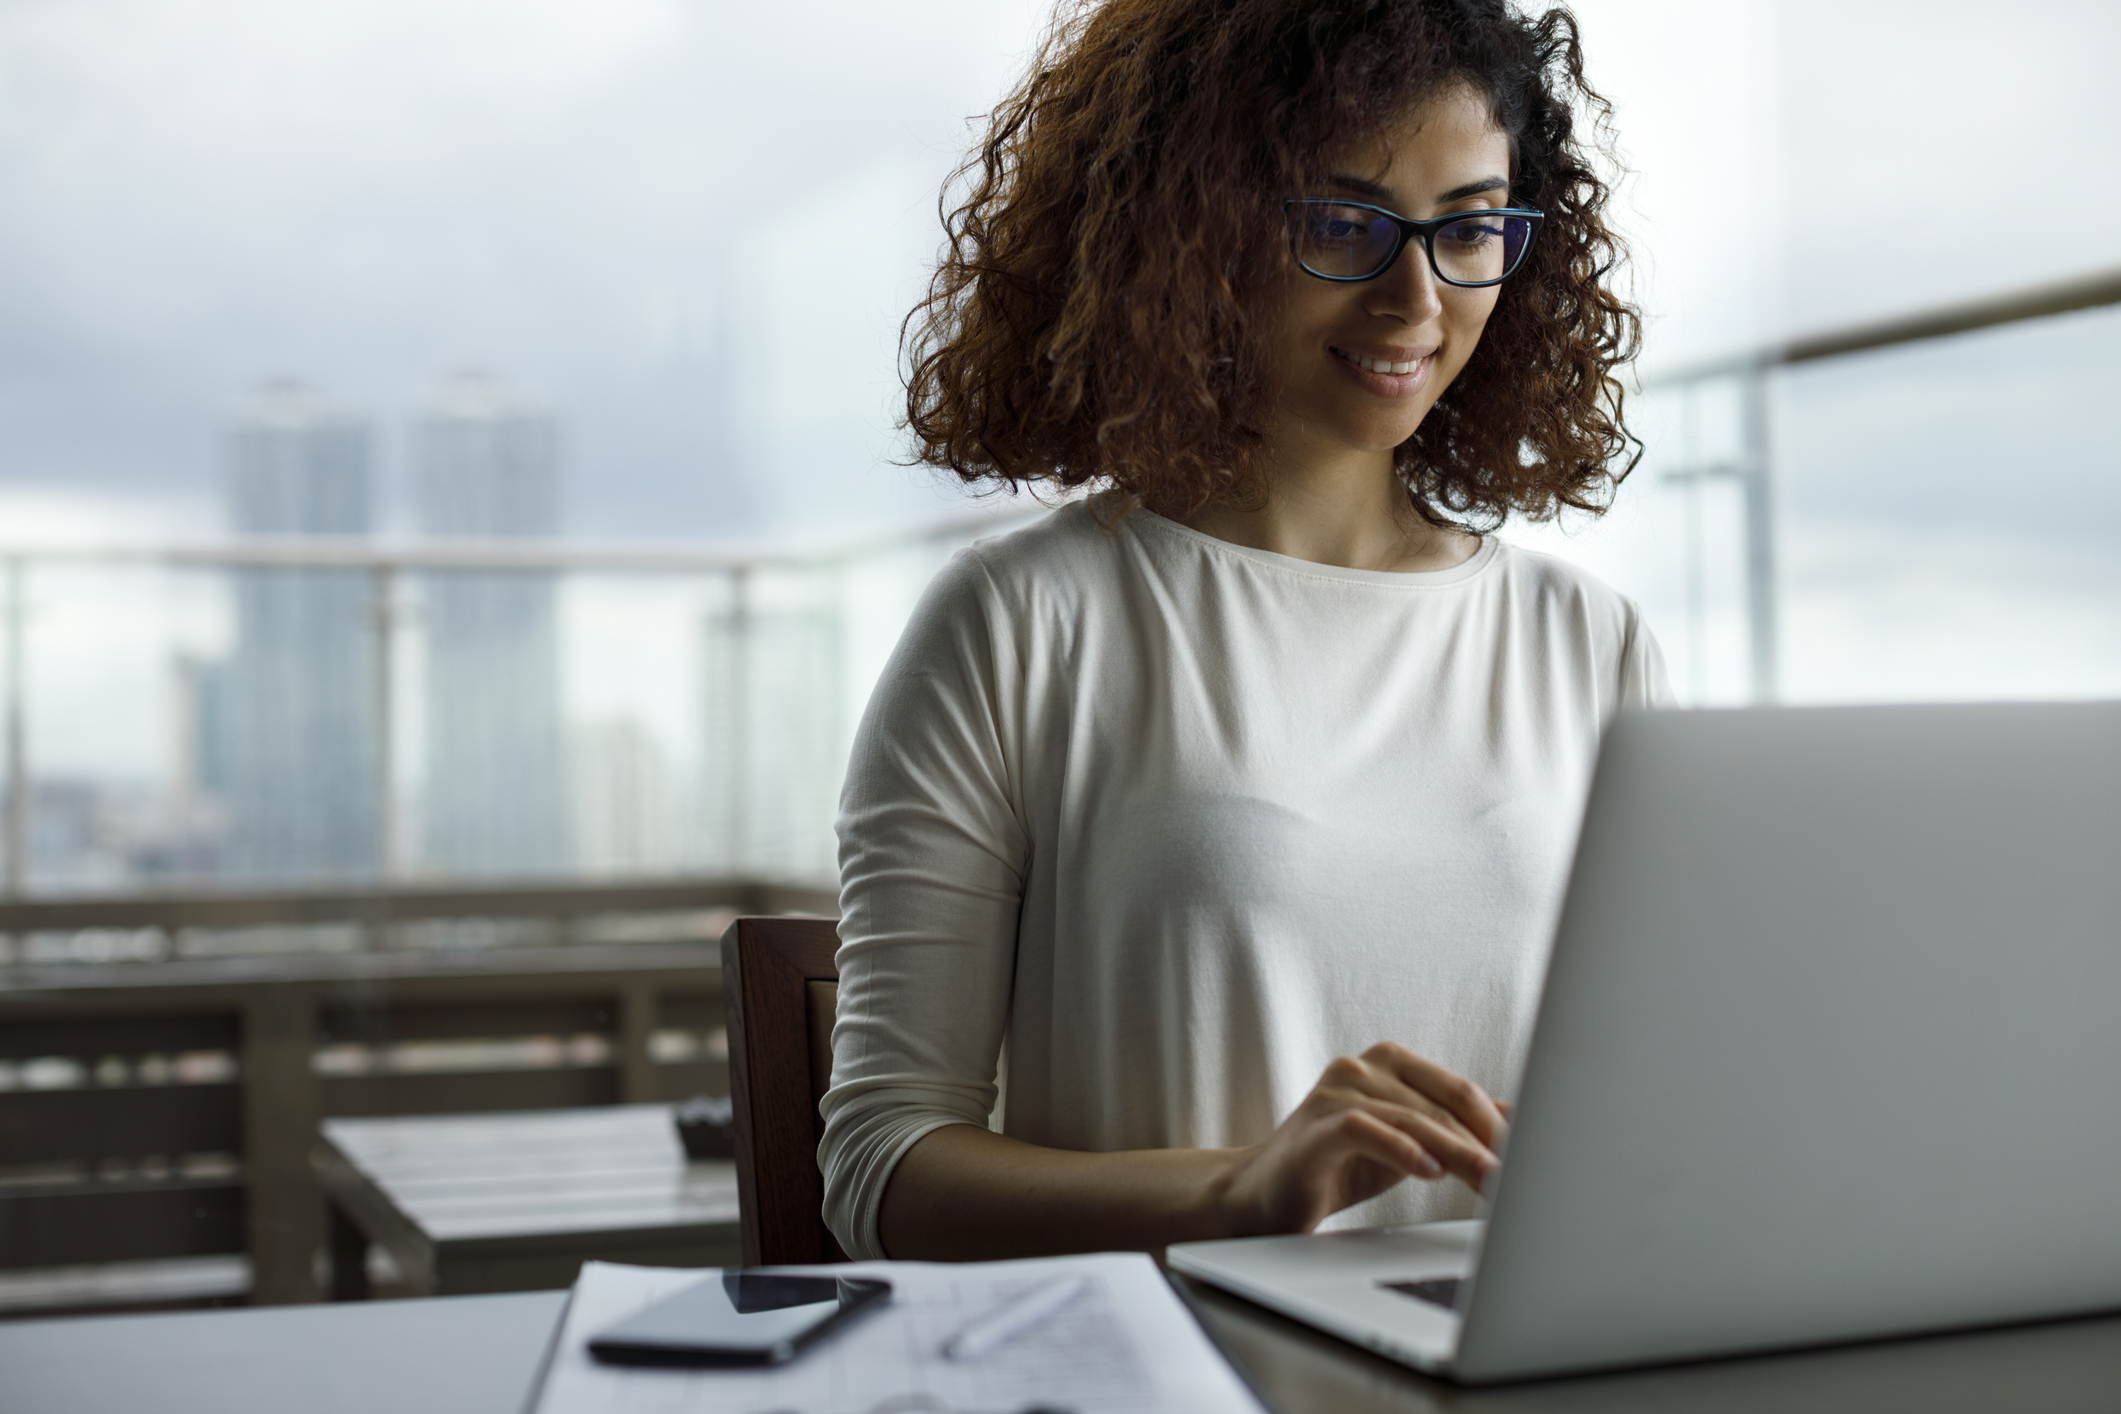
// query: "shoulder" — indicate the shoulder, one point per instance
point(1073, 536)
point(1549, 583)
point(1579, 615)
point(1052, 562)
point(997, 588)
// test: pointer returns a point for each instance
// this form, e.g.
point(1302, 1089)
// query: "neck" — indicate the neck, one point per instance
point(1349, 510)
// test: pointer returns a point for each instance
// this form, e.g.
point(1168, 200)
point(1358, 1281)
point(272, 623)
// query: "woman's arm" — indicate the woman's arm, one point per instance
point(933, 853)
point(962, 1192)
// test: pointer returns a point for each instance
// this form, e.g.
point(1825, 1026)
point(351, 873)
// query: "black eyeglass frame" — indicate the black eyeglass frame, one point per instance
point(1408, 230)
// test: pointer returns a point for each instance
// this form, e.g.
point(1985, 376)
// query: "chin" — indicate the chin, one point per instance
point(1375, 429)
point(1376, 437)
point(1359, 428)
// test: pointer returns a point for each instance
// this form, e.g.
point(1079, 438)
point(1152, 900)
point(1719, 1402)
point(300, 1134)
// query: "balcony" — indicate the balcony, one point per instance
point(304, 827)
point(301, 827)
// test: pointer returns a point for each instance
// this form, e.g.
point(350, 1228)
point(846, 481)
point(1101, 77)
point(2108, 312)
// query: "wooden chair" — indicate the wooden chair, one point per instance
point(781, 989)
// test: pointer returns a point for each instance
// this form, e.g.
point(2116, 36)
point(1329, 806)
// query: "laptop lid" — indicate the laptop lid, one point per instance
point(1830, 1046)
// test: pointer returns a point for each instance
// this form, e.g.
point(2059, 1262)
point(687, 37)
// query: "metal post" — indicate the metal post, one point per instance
point(17, 757)
point(1697, 643)
point(739, 689)
point(1760, 536)
point(383, 577)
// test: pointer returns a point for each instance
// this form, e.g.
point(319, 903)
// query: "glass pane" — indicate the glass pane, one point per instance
point(1342, 241)
point(1480, 248)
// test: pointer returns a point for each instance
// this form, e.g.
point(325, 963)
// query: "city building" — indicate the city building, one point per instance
point(296, 759)
point(494, 799)
point(624, 811)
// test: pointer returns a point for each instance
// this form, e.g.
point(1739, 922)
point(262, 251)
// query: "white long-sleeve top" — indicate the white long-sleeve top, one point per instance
point(1182, 821)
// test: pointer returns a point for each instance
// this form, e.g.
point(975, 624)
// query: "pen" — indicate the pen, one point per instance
point(997, 1328)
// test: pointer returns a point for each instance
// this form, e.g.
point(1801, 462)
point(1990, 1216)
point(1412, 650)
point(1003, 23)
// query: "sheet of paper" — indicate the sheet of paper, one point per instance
point(1127, 1344)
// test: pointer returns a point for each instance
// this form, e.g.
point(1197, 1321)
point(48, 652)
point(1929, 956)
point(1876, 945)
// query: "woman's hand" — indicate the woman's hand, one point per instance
point(1367, 1124)
point(962, 1192)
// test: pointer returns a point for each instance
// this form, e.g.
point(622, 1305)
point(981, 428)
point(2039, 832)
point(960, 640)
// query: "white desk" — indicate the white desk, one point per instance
point(470, 1356)
point(477, 1355)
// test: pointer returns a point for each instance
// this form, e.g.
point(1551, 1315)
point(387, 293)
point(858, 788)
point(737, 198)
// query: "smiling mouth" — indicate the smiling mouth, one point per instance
point(1379, 365)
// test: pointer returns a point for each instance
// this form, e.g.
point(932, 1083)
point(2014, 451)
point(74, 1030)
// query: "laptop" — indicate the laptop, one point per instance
point(1829, 1050)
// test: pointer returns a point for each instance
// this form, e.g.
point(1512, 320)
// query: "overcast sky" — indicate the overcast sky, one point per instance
point(373, 193)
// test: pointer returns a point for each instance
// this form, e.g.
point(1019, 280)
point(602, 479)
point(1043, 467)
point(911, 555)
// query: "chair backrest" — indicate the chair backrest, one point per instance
point(781, 988)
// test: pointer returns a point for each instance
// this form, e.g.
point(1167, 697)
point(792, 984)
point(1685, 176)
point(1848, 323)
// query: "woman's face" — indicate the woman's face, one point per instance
point(1447, 156)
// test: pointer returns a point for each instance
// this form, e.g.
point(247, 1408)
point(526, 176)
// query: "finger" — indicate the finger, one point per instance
point(1458, 1152)
point(1376, 1076)
point(1385, 1143)
point(1459, 1097)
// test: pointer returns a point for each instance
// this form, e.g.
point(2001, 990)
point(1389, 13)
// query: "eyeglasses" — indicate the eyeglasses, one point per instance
point(1346, 241)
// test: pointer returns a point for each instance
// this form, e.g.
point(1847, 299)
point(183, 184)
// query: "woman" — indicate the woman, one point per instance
point(1216, 824)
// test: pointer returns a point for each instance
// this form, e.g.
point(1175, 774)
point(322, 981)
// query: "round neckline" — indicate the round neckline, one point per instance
point(1472, 565)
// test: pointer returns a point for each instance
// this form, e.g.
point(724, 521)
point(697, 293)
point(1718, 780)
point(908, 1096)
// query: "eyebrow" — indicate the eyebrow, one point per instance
point(1381, 192)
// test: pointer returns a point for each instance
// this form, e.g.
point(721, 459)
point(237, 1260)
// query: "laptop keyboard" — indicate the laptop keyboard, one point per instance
point(1437, 1291)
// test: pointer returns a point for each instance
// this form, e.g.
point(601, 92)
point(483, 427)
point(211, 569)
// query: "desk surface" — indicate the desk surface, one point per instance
point(2064, 1367)
point(477, 1355)
point(466, 1177)
point(451, 1355)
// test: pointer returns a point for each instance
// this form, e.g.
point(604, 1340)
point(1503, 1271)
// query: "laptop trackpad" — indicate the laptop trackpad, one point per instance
point(1438, 1291)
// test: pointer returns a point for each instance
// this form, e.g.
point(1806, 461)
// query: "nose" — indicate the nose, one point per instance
point(1409, 291)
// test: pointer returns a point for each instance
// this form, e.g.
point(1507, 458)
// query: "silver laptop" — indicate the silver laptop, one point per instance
point(1830, 1049)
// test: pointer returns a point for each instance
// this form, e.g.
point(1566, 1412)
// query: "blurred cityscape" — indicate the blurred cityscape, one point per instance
point(311, 703)
point(335, 714)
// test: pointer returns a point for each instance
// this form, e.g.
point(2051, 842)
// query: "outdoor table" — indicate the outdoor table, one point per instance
point(518, 1201)
point(479, 1354)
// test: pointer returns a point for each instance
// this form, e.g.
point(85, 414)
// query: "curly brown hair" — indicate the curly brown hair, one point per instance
point(1095, 315)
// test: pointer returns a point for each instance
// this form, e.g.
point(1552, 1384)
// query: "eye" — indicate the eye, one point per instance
point(1338, 229)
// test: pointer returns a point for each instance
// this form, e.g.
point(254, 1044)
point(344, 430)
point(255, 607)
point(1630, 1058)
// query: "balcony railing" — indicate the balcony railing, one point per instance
point(1740, 392)
point(304, 711)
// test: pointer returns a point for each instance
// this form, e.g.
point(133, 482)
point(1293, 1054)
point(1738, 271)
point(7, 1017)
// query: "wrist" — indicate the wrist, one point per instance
point(1224, 1207)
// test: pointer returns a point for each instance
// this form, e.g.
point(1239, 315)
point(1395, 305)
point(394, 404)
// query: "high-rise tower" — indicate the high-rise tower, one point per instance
point(299, 750)
point(489, 466)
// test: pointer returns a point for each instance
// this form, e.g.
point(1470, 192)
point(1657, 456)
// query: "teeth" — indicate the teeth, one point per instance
point(1378, 365)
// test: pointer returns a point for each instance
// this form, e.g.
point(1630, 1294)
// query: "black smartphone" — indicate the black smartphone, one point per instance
point(738, 1318)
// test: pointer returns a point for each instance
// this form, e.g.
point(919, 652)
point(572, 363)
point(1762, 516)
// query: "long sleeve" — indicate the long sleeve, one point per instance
point(932, 855)
point(1643, 680)
point(1182, 821)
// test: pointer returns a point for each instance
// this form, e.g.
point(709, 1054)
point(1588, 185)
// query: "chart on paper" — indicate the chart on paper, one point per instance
point(1125, 1345)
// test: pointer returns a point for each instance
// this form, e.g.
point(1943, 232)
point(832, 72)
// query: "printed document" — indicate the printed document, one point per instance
point(1127, 1345)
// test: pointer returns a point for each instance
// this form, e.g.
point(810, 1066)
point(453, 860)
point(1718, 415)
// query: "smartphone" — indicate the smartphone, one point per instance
point(738, 1318)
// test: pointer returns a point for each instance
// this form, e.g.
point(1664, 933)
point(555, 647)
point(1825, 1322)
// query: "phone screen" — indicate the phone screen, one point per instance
point(737, 1318)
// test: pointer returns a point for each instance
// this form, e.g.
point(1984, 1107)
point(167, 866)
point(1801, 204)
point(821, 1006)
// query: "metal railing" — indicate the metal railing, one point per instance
point(1754, 372)
point(745, 630)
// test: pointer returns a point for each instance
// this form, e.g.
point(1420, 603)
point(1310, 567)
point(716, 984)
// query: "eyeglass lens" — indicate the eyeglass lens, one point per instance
point(1348, 242)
